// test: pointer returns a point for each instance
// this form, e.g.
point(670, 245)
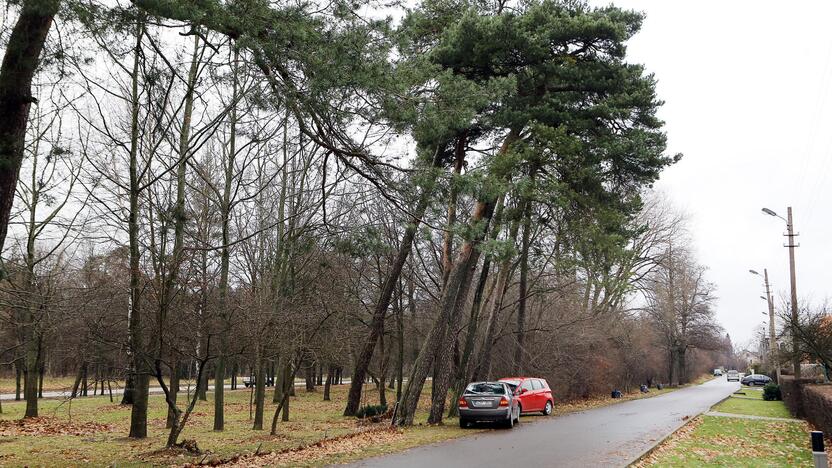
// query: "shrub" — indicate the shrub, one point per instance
point(771, 392)
point(369, 411)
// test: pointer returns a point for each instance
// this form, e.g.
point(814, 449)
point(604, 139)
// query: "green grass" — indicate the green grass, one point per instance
point(755, 407)
point(312, 420)
point(735, 442)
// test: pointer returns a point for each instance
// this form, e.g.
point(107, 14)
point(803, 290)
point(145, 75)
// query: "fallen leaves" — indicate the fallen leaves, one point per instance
point(348, 444)
point(50, 426)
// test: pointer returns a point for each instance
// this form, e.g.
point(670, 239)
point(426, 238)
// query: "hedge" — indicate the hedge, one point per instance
point(808, 400)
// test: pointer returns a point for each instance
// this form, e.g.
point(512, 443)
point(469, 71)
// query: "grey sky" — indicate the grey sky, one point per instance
point(746, 85)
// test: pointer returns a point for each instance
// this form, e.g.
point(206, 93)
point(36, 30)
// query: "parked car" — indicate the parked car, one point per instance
point(717, 372)
point(733, 375)
point(251, 381)
point(534, 394)
point(755, 379)
point(488, 401)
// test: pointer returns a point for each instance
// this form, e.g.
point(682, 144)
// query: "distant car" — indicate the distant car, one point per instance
point(488, 401)
point(250, 381)
point(717, 372)
point(755, 379)
point(534, 394)
point(733, 375)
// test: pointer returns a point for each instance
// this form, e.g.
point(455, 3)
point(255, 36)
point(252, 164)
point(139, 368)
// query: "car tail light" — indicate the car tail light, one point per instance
point(463, 403)
point(503, 401)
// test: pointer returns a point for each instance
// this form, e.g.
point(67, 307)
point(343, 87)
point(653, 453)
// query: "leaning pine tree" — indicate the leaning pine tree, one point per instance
point(575, 108)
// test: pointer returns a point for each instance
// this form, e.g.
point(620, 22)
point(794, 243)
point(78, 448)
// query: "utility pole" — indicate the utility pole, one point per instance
point(772, 342)
point(791, 245)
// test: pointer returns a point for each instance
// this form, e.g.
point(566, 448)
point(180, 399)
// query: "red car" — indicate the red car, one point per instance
point(533, 393)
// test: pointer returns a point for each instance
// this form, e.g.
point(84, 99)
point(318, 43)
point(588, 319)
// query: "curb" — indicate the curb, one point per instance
point(652, 449)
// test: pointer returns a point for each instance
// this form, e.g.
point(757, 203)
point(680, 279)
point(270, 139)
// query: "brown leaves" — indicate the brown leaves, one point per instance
point(50, 426)
point(348, 444)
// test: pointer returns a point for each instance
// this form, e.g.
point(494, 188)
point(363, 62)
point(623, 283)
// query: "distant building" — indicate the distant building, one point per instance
point(749, 359)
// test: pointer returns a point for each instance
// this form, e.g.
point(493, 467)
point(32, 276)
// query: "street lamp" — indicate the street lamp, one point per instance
point(793, 277)
point(772, 342)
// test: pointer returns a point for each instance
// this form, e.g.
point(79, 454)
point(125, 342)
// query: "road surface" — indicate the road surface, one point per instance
point(119, 391)
point(614, 435)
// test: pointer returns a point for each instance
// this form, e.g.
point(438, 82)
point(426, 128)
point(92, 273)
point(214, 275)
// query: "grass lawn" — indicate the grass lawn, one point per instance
point(719, 441)
point(755, 407)
point(91, 431)
point(727, 441)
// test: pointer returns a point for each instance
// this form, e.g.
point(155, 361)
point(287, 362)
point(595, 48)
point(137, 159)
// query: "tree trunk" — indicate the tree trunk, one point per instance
point(260, 391)
point(174, 390)
point(138, 414)
point(279, 383)
point(40, 379)
point(18, 376)
point(309, 377)
point(473, 321)
point(289, 389)
point(328, 384)
point(483, 370)
point(523, 288)
point(20, 63)
point(453, 295)
point(127, 396)
point(385, 297)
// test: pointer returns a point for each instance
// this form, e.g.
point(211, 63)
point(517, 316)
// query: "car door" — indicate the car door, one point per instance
point(539, 396)
point(545, 392)
point(526, 397)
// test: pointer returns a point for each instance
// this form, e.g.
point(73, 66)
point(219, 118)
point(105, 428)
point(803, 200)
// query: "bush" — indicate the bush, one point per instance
point(369, 411)
point(771, 392)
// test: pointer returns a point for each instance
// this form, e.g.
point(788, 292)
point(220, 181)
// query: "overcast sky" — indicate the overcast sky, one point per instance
point(747, 91)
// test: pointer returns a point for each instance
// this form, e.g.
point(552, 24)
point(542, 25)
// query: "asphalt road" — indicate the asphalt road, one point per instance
point(614, 435)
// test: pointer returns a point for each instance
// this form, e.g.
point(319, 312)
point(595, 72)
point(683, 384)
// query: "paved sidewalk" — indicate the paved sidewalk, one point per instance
point(749, 416)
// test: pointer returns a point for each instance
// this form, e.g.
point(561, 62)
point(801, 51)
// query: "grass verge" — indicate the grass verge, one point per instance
point(741, 442)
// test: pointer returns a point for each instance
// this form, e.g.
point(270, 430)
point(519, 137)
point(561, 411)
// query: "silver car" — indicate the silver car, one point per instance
point(733, 375)
point(488, 401)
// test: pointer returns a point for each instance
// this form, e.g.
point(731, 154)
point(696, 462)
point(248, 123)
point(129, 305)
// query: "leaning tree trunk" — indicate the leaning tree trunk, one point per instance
point(524, 282)
point(457, 286)
point(389, 285)
point(464, 370)
point(483, 368)
point(20, 62)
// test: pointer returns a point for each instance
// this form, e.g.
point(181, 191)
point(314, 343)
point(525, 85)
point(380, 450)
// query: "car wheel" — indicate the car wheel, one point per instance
point(463, 423)
point(547, 410)
point(509, 423)
point(750, 384)
point(517, 419)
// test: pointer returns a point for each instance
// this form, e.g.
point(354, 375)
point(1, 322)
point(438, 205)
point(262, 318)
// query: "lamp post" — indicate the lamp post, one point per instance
point(772, 342)
point(793, 277)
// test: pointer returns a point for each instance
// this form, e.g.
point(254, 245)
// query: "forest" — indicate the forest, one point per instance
point(402, 198)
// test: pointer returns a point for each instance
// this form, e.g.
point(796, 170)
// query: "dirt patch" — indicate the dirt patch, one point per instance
point(50, 426)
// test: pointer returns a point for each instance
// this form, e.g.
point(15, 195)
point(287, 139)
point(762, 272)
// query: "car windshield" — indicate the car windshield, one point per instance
point(487, 388)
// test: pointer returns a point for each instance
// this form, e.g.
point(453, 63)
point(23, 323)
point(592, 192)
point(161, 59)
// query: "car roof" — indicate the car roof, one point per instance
point(520, 378)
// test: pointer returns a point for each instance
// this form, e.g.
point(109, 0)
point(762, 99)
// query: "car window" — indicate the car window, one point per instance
point(487, 388)
point(536, 384)
point(511, 383)
point(527, 384)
